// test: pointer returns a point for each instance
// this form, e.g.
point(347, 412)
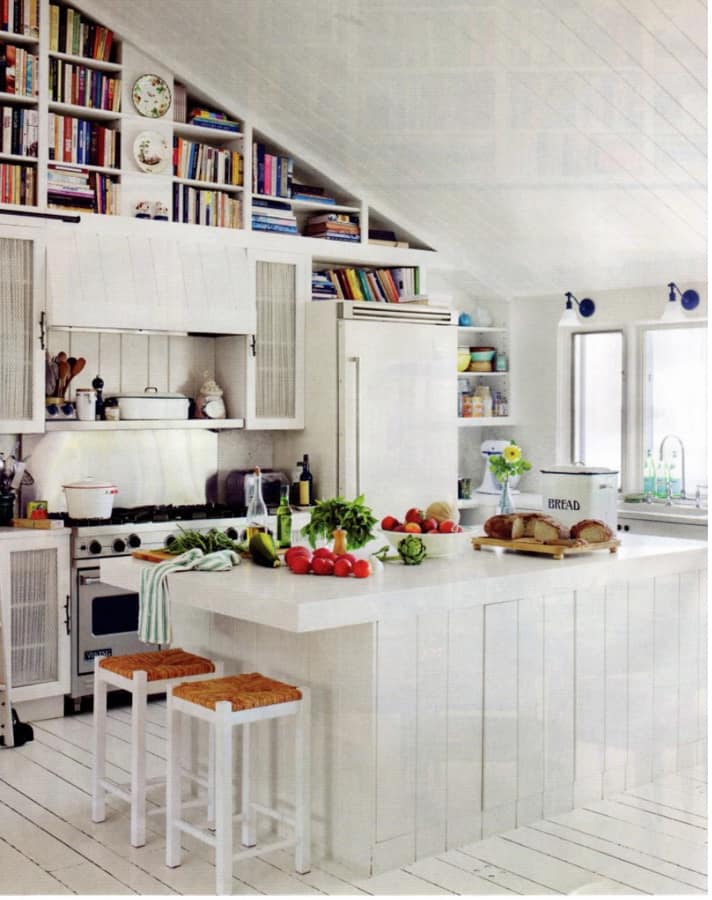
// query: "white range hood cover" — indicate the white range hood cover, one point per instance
point(147, 467)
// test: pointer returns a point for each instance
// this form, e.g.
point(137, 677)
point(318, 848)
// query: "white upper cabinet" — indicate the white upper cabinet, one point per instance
point(109, 280)
point(22, 330)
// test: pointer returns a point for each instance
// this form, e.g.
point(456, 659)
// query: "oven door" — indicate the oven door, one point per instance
point(106, 622)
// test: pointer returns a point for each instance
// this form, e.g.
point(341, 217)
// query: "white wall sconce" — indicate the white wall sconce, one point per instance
point(586, 308)
point(673, 312)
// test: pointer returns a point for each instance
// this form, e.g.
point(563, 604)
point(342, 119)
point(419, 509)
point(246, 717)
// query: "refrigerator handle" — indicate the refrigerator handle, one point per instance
point(356, 360)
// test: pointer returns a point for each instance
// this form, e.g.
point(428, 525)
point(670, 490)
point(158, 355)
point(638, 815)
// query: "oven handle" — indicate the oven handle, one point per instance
point(89, 579)
point(68, 616)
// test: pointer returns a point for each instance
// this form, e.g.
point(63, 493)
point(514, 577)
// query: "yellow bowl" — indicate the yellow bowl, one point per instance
point(463, 360)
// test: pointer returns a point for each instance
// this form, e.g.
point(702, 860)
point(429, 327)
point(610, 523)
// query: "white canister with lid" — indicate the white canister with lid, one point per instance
point(85, 402)
point(572, 493)
point(90, 499)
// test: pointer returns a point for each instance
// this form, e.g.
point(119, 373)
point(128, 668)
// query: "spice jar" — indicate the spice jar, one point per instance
point(209, 403)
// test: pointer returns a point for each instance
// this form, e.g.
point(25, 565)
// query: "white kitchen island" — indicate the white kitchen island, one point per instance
point(465, 696)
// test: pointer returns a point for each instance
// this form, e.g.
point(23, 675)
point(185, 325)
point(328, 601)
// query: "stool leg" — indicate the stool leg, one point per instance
point(223, 800)
point(249, 838)
point(98, 793)
point(211, 776)
point(138, 760)
point(173, 798)
point(302, 817)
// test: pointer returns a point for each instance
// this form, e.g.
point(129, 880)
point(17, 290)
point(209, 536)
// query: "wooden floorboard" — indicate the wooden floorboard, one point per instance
point(652, 839)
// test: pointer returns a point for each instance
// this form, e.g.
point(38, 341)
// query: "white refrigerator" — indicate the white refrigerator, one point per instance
point(380, 405)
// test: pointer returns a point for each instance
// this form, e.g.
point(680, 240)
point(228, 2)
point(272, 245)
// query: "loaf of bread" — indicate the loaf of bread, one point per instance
point(515, 526)
point(500, 527)
point(592, 530)
point(548, 530)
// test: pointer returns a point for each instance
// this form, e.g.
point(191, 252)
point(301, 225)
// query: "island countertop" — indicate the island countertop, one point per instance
point(279, 599)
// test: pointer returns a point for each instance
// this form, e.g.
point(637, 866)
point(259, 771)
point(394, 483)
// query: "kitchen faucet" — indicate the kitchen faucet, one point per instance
point(668, 501)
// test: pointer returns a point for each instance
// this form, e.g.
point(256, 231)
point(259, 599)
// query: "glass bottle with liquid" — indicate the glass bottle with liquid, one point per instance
point(306, 483)
point(649, 476)
point(674, 475)
point(256, 508)
point(284, 518)
point(661, 479)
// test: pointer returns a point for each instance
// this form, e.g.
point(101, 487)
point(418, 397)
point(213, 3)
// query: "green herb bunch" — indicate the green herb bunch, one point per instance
point(509, 463)
point(353, 516)
point(209, 542)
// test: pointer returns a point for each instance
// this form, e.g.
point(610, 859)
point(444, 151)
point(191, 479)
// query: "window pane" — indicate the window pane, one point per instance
point(675, 397)
point(598, 399)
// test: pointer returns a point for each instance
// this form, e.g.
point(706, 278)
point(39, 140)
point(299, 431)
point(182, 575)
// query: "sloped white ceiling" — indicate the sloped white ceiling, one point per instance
point(543, 145)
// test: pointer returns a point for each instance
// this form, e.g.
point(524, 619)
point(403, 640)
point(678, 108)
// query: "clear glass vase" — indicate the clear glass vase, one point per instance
point(505, 505)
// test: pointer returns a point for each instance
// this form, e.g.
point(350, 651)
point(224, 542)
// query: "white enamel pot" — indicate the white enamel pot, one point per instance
point(90, 499)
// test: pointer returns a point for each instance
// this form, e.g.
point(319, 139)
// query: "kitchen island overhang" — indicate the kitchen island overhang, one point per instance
point(279, 599)
point(463, 697)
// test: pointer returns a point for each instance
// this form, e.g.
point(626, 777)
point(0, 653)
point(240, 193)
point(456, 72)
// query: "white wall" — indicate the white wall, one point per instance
point(541, 352)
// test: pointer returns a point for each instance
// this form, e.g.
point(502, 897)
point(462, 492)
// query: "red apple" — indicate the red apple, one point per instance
point(414, 515)
point(389, 523)
point(447, 527)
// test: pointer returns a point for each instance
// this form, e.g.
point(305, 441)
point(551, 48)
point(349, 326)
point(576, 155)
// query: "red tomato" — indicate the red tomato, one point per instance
point(389, 523)
point(300, 564)
point(342, 567)
point(321, 565)
point(296, 551)
point(414, 515)
point(429, 525)
point(412, 527)
point(362, 568)
point(324, 553)
point(351, 558)
point(447, 526)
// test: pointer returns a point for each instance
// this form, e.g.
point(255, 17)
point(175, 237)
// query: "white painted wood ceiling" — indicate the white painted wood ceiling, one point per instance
point(544, 146)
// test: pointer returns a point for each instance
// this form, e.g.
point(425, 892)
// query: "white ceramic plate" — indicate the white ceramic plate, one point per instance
point(151, 96)
point(151, 152)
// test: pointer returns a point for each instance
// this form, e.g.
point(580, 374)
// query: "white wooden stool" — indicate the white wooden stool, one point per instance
point(224, 703)
point(141, 674)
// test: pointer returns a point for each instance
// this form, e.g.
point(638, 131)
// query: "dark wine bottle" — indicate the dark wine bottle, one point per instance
point(306, 483)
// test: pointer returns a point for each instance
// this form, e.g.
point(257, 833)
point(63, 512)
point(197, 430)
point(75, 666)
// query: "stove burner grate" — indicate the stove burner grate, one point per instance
point(150, 513)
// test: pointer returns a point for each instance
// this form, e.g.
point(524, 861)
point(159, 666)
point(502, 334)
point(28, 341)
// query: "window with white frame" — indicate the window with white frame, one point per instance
point(675, 399)
point(672, 400)
point(597, 438)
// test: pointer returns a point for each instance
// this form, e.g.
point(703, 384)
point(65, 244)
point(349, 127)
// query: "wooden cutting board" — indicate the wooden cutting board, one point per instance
point(556, 551)
point(153, 555)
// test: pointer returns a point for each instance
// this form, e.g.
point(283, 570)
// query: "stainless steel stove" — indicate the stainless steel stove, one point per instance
point(104, 619)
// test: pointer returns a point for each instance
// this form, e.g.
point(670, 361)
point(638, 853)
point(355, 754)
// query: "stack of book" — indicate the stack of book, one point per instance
point(18, 71)
point(17, 184)
point(386, 237)
point(69, 32)
point(271, 174)
point(209, 118)
point(20, 18)
point(312, 192)
point(69, 83)
point(79, 141)
point(393, 285)
point(19, 130)
point(201, 162)
point(273, 215)
point(202, 207)
point(333, 227)
point(322, 287)
point(81, 191)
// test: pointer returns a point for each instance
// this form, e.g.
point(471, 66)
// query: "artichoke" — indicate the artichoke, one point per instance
point(412, 550)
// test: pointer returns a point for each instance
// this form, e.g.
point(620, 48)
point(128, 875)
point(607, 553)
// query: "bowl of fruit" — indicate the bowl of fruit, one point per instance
point(437, 527)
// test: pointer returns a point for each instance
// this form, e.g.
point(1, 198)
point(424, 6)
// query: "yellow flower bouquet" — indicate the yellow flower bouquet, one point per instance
point(509, 463)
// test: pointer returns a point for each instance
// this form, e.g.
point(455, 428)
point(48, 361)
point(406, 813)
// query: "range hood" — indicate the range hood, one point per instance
point(397, 312)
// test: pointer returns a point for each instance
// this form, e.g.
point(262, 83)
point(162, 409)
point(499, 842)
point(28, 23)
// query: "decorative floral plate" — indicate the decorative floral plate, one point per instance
point(151, 152)
point(151, 96)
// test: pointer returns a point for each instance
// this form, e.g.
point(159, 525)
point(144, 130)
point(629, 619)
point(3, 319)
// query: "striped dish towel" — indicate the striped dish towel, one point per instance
point(154, 620)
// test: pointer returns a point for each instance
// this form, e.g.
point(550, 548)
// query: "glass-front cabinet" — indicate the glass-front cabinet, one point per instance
point(34, 604)
point(275, 357)
point(22, 330)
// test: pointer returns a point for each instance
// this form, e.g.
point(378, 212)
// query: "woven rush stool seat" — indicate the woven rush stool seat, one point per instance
point(159, 664)
point(241, 691)
point(224, 703)
point(141, 674)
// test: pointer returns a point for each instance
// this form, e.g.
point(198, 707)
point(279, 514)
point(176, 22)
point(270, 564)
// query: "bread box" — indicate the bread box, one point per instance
point(572, 493)
point(153, 405)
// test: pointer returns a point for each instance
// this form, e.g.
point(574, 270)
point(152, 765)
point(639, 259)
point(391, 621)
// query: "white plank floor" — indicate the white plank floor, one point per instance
point(651, 840)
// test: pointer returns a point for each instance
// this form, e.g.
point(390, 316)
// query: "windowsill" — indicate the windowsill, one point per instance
point(680, 513)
